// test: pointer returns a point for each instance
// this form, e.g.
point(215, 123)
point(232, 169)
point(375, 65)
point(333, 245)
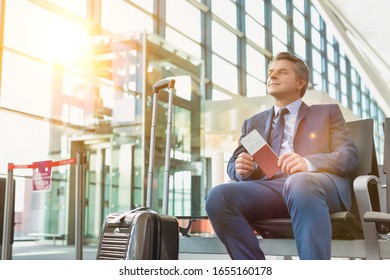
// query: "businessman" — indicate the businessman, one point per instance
point(316, 154)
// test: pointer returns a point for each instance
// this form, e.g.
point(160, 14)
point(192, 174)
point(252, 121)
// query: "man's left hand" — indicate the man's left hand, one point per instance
point(291, 163)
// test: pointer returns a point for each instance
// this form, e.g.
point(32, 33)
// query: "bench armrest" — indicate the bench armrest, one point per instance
point(360, 186)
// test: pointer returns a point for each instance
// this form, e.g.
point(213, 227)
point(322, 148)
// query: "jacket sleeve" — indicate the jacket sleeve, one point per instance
point(231, 167)
point(342, 158)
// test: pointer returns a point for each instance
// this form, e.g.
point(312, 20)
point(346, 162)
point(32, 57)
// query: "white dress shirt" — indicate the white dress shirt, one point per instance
point(290, 120)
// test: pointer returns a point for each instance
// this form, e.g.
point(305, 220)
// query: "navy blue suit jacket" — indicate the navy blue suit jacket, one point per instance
point(320, 136)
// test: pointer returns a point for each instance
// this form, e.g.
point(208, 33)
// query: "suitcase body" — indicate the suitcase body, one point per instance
point(142, 234)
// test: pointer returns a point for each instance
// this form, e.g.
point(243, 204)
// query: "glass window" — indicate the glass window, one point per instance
point(300, 45)
point(317, 61)
point(188, 22)
point(224, 42)
point(344, 100)
point(145, 4)
point(226, 10)
point(355, 95)
point(373, 108)
point(343, 84)
point(279, 27)
point(299, 21)
point(255, 8)
point(255, 31)
point(255, 87)
point(78, 7)
point(354, 76)
point(116, 19)
point(343, 65)
point(330, 53)
point(300, 5)
point(224, 74)
point(32, 95)
point(356, 109)
point(331, 74)
point(330, 34)
point(315, 18)
point(280, 5)
point(219, 95)
point(43, 34)
point(278, 46)
point(182, 42)
point(14, 146)
point(332, 91)
point(365, 103)
point(255, 63)
point(317, 81)
point(316, 38)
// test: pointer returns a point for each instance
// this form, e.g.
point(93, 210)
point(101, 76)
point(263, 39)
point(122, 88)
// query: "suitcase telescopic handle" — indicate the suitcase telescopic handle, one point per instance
point(166, 83)
point(170, 84)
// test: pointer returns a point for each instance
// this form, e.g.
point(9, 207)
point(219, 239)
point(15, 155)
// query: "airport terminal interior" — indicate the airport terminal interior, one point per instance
point(76, 81)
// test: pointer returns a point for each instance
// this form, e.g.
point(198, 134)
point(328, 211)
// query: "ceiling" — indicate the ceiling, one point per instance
point(363, 27)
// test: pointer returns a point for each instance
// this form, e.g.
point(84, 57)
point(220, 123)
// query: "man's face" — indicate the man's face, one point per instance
point(282, 80)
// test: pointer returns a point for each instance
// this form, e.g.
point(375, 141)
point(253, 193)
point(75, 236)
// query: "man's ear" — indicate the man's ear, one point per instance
point(301, 83)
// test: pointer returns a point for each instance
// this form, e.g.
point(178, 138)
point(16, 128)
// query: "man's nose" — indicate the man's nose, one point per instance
point(272, 76)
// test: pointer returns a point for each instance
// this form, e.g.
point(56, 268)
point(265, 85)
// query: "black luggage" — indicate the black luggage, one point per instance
point(143, 234)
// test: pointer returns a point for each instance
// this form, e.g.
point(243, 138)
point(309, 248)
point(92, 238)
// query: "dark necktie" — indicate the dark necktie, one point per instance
point(277, 133)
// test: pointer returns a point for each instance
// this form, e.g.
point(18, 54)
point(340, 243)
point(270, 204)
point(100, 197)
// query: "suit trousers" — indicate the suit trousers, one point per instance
point(308, 198)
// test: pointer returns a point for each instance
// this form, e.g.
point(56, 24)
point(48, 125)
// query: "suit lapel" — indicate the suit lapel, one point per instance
point(303, 110)
point(268, 117)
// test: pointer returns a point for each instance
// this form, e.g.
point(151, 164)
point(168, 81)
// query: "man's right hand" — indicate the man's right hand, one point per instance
point(244, 165)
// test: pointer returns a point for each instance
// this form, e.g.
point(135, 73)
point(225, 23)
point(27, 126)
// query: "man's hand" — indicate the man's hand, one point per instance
point(244, 165)
point(291, 163)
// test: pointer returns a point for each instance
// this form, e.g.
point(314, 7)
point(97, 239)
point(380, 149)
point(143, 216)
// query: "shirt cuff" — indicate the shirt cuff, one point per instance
point(310, 166)
point(243, 178)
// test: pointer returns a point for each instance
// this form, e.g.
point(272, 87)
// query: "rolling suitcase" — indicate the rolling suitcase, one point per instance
point(143, 234)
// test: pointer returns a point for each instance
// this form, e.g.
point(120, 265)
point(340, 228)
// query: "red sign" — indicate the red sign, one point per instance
point(42, 176)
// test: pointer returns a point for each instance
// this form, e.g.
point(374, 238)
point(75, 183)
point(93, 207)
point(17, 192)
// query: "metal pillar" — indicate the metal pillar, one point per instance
point(79, 202)
point(8, 212)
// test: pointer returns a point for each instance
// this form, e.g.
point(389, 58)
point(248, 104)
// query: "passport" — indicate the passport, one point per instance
point(261, 152)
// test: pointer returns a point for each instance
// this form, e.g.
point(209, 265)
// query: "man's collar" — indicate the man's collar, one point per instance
point(293, 107)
